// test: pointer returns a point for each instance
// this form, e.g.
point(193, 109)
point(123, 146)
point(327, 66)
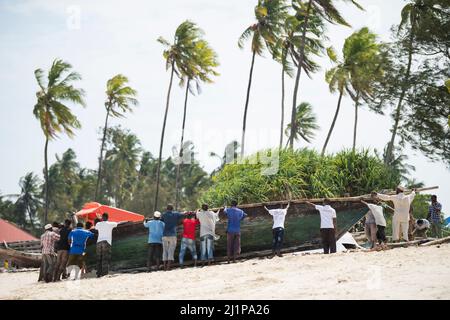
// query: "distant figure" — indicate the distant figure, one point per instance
point(434, 215)
point(155, 233)
point(402, 204)
point(48, 241)
point(370, 228)
point(77, 239)
point(377, 211)
point(188, 238)
point(279, 216)
point(235, 216)
point(104, 243)
point(171, 219)
point(421, 228)
point(208, 220)
point(62, 247)
point(328, 226)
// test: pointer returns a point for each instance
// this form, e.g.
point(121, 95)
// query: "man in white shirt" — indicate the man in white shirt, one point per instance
point(402, 204)
point(377, 212)
point(104, 243)
point(208, 220)
point(279, 216)
point(328, 226)
point(421, 228)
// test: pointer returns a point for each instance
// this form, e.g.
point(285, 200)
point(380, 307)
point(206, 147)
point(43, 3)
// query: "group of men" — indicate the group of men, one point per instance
point(403, 223)
point(64, 248)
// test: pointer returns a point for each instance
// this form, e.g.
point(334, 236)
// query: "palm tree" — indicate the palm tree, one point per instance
point(411, 16)
point(198, 70)
point(178, 59)
point(327, 10)
point(230, 155)
point(286, 53)
point(119, 99)
point(28, 201)
point(359, 60)
point(306, 123)
point(56, 117)
point(270, 16)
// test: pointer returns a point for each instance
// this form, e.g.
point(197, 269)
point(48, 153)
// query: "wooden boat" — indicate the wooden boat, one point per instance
point(21, 259)
point(302, 225)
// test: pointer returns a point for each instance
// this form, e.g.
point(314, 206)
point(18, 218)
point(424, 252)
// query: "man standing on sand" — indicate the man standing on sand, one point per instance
point(380, 221)
point(48, 241)
point(208, 220)
point(328, 226)
point(235, 216)
point(78, 239)
point(279, 216)
point(402, 204)
point(62, 247)
point(104, 243)
point(188, 238)
point(155, 232)
point(370, 228)
point(434, 214)
point(169, 240)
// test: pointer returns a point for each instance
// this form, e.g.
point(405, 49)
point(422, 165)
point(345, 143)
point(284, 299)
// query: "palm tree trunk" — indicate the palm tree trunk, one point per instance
point(246, 105)
point(297, 78)
point(334, 121)
point(356, 121)
point(178, 182)
point(282, 107)
point(46, 180)
point(390, 148)
point(100, 159)
point(158, 170)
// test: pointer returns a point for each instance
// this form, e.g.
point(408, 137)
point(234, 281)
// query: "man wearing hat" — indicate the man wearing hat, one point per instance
point(48, 241)
point(155, 232)
point(402, 204)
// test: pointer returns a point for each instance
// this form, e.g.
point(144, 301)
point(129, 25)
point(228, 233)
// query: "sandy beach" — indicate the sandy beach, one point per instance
point(404, 273)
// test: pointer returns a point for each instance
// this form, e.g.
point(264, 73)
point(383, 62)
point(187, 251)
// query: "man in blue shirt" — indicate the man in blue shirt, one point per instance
point(77, 240)
point(235, 216)
point(169, 240)
point(155, 232)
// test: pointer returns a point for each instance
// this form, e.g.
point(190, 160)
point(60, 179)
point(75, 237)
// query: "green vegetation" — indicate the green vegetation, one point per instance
point(302, 174)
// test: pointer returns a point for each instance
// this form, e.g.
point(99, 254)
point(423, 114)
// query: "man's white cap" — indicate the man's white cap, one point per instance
point(401, 188)
point(48, 226)
point(157, 214)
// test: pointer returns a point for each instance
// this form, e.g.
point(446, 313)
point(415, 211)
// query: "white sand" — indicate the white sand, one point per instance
point(405, 273)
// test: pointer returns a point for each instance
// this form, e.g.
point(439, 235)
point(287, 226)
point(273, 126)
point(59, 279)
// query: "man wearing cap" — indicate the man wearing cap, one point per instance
point(155, 232)
point(402, 204)
point(48, 241)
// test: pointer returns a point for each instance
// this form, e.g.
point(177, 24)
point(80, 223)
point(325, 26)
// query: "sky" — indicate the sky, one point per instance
point(103, 38)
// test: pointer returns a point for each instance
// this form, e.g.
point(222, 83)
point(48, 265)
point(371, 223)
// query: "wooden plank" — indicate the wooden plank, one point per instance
point(438, 241)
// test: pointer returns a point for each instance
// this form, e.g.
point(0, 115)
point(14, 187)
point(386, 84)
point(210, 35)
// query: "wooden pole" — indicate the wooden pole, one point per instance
point(365, 197)
point(438, 241)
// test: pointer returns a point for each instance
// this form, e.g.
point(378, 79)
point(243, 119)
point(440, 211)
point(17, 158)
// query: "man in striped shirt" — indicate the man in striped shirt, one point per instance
point(48, 241)
point(434, 215)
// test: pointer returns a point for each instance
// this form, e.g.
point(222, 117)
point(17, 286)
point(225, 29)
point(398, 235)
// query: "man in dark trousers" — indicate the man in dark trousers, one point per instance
point(328, 226)
point(62, 247)
point(104, 243)
point(234, 216)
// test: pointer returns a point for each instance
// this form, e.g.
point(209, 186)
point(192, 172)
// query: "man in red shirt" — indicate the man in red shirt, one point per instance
point(188, 240)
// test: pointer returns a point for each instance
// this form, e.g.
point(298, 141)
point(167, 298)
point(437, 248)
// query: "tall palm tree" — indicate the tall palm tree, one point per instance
point(119, 99)
point(411, 17)
point(56, 117)
point(286, 53)
point(270, 16)
point(198, 70)
point(178, 60)
point(327, 10)
point(306, 123)
point(28, 201)
point(359, 60)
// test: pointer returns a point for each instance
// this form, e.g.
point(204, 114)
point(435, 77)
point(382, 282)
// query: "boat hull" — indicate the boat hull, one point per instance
point(302, 230)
